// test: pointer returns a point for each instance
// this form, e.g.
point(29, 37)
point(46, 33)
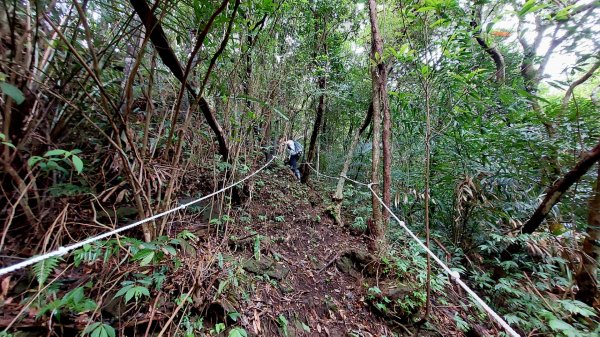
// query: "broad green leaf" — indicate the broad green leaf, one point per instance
point(526, 7)
point(439, 22)
point(237, 332)
point(91, 328)
point(219, 327)
point(530, 7)
point(234, 315)
point(146, 260)
point(136, 292)
point(563, 14)
point(52, 165)
point(77, 163)
point(13, 92)
point(170, 250)
point(144, 291)
point(123, 290)
point(55, 152)
point(99, 330)
point(426, 9)
point(129, 294)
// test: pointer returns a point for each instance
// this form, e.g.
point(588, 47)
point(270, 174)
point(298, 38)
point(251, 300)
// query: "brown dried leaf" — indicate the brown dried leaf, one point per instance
point(4, 287)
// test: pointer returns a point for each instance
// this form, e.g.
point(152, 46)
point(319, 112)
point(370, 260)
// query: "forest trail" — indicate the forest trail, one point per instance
point(299, 249)
point(276, 265)
point(307, 274)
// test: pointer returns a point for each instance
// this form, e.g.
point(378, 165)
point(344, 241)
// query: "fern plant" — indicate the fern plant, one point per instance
point(44, 268)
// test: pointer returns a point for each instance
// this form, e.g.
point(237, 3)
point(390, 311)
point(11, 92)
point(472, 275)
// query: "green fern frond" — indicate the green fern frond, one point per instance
point(44, 268)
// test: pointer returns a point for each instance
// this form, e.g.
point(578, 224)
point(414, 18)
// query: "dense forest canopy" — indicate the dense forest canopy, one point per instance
point(476, 122)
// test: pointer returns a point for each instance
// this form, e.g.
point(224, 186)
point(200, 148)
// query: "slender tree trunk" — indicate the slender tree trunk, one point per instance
point(586, 279)
point(387, 144)
point(579, 81)
point(427, 190)
point(315, 131)
point(338, 197)
point(375, 225)
point(167, 55)
point(553, 195)
point(320, 46)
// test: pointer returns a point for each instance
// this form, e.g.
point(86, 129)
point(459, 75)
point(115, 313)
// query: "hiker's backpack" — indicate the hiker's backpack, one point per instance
point(299, 148)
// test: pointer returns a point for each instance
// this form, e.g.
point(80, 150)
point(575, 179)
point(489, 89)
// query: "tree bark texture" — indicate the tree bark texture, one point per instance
point(579, 81)
point(375, 225)
point(320, 47)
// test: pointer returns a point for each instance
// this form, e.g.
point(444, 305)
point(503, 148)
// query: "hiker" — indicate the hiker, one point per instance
point(295, 149)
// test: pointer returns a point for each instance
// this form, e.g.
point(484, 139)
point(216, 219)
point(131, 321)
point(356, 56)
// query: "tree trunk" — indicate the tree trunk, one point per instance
point(387, 143)
point(162, 46)
point(586, 279)
point(320, 47)
point(338, 197)
point(427, 191)
point(315, 131)
point(374, 224)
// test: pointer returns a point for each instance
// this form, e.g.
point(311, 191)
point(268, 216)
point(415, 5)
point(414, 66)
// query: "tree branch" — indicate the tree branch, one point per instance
point(167, 55)
point(582, 79)
point(555, 192)
point(491, 50)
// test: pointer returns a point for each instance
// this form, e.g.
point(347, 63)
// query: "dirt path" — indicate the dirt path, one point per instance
point(299, 247)
point(275, 272)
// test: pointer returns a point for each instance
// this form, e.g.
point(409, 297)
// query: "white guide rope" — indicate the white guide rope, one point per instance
point(64, 250)
point(455, 276)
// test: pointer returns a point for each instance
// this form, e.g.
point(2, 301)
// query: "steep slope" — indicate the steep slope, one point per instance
point(298, 246)
point(273, 265)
